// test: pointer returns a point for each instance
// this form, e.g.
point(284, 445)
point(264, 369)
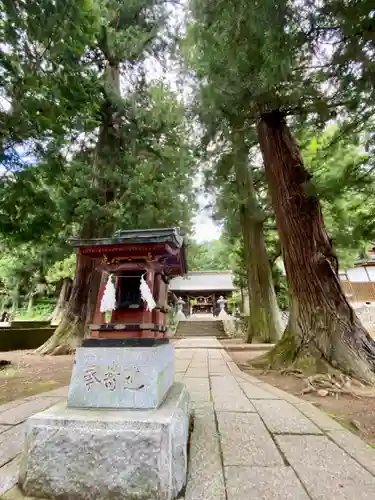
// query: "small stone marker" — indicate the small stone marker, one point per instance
point(124, 413)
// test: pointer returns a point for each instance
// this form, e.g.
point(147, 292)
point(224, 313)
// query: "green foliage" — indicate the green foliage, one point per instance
point(209, 256)
point(80, 156)
point(239, 264)
point(252, 57)
point(234, 302)
point(41, 311)
point(281, 287)
point(344, 180)
point(62, 269)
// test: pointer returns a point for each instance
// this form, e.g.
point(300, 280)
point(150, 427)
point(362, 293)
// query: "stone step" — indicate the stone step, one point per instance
point(191, 330)
point(200, 329)
point(218, 337)
point(200, 332)
point(195, 324)
point(197, 334)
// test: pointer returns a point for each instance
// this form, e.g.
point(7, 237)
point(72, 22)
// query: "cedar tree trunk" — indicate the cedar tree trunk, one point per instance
point(323, 328)
point(264, 318)
point(62, 301)
point(80, 309)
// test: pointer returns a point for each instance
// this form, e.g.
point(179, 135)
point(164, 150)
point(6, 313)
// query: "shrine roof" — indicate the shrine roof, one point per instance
point(135, 236)
point(203, 281)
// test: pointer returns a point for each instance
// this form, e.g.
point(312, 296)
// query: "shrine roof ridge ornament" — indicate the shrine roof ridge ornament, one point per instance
point(135, 236)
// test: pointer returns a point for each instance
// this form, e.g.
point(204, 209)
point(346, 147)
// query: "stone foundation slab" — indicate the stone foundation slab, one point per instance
point(89, 454)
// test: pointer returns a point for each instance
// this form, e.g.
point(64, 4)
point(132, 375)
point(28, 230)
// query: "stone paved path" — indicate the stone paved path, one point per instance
point(250, 441)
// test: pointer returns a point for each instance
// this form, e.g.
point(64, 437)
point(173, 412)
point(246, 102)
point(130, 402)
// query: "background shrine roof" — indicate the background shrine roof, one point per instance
point(135, 236)
point(199, 281)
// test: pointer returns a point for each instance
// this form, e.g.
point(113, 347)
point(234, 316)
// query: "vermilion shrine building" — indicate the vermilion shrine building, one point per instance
point(200, 291)
point(152, 255)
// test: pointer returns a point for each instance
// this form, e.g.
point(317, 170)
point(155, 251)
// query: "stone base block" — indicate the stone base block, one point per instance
point(86, 454)
point(121, 377)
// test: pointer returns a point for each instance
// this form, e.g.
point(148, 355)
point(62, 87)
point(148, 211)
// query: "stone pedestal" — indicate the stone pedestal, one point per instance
point(128, 376)
point(84, 454)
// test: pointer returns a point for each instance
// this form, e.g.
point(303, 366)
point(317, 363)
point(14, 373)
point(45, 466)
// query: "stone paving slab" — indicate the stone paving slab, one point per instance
point(183, 354)
point(220, 372)
point(11, 443)
point(21, 412)
point(201, 405)
point(4, 427)
point(16, 494)
point(238, 418)
point(327, 472)
point(197, 373)
point(245, 440)
point(198, 388)
point(321, 419)
point(244, 377)
point(181, 365)
point(263, 483)
point(219, 367)
point(61, 392)
point(9, 474)
point(278, 392)
point(178, 376)
point(214, 354)
point(283, 418)
point(228, 396)
point(233, 368)
point(253, 391)
point(217, 361)
point(199, 364)
point(199, 343)
point(205, 473)
point(200, 356)
point(10, 405)
point(355, 447)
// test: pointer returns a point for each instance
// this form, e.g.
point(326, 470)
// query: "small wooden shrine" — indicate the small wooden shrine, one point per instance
point(136, 267)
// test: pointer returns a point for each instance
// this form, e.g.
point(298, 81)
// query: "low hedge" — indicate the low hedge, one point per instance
point(14, 339)
point(19, 323)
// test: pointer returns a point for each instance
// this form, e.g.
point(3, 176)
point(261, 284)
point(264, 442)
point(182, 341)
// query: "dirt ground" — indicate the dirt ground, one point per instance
point(31, 374)
point(357, 415)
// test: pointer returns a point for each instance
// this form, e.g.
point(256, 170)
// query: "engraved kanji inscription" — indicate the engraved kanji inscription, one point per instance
point(132, 379)
point(91, 377)
point(110, 377)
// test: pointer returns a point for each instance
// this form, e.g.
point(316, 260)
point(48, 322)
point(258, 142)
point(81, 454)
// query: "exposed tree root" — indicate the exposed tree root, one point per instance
point(66, 338)
point(329, 384)
point(292, 371)
point(350, 355)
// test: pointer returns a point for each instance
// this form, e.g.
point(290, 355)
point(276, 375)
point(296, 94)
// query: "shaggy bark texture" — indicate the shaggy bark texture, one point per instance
point(322, 327)
point(62, 301)
point(80, 309)
point(78, 312)
point(264, 317)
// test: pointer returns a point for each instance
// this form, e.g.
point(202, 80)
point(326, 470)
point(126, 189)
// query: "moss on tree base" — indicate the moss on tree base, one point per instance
point(66, 338)
point(348, 357)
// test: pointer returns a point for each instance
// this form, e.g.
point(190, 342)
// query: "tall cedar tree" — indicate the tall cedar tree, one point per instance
point(244, 214)
point(133, 146)
point(221, 124)
point(259, 49)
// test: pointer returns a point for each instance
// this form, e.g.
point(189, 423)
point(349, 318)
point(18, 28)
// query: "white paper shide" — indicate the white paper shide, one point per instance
point(147, 295)
point(108, 303)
